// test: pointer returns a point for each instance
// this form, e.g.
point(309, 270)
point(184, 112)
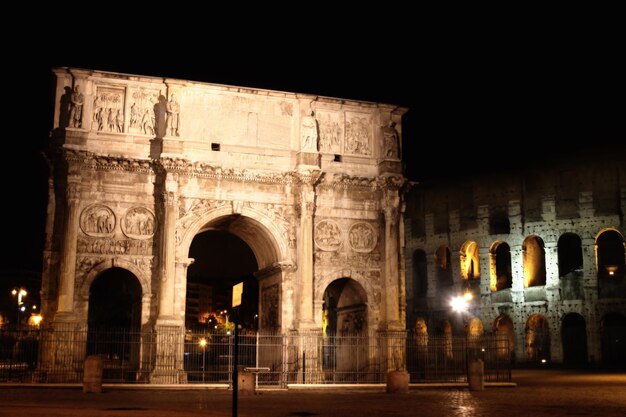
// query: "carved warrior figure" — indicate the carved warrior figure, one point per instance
point(308, 132)
point(172, 121)
point(390, 136)
point(76, 107)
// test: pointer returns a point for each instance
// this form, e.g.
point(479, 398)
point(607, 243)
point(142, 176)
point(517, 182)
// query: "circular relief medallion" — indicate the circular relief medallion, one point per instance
point(328, 235)
point(138, 223)
point(97, 220)
point(362, 237)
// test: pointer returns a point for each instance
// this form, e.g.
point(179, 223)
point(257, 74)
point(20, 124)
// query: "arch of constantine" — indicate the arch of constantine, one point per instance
point(140, 166)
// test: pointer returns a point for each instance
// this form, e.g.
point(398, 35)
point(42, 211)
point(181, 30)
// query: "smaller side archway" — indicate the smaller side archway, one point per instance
point(344, 327)
point(114, 323)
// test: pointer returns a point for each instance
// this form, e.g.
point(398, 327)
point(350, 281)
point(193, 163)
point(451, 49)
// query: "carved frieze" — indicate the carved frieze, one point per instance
point(97, 220)
point(358, 139)
point(138, 223)
point(206, 170)
point(108, 110)
point(328, 236)
point(362, 237)
point(348, 181)
point(109, 246)
point(353, 260)
point(89, 160)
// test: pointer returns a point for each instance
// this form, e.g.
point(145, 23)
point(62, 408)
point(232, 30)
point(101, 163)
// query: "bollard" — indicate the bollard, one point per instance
point(247, 382)
point(92, 375)
point(397, 382)
point(476, 374)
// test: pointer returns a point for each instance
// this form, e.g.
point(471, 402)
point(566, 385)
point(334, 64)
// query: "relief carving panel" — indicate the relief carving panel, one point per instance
point(362, 237)
point(138, 223)
point(142, 111)
point(358, 134)
point(330, 131)
point(108, 110)
point(328, 235)
point(97, 220)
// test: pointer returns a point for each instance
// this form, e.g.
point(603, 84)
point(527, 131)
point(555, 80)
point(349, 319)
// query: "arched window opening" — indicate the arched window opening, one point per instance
point(574, 338)
point(570, 258)
point(444, 268)
point(610, 255)
point(570, 254)
point(501, 276)
point(420, 274)
point(610, 264)
point(505, 337)
point(613, 328)
point(470, 261)
point(534, 259)
point(537, 339)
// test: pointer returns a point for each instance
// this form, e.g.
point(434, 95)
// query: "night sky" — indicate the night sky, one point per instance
point(495, 104)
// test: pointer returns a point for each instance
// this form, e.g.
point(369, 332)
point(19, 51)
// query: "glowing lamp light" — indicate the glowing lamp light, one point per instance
point(35, 320)
point(544, 361)
point(611, 269)
point(202, 342)
point(459, 304)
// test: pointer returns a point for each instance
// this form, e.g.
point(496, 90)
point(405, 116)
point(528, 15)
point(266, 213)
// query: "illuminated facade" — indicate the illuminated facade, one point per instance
point(542, 252)
point(141, 165)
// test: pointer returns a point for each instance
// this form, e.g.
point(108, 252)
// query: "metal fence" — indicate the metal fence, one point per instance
point(176, 356)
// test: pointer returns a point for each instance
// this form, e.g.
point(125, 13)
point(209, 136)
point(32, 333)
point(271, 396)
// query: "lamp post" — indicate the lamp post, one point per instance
point(203, 343)
point(20, 293)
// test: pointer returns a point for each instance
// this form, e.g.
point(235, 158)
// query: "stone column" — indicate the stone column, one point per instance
point(305, 256)
point(67, 269)
point(167, 269)
point(391, 213)
point(169, 367)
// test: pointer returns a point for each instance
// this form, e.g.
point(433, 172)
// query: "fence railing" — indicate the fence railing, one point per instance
point(178, 357)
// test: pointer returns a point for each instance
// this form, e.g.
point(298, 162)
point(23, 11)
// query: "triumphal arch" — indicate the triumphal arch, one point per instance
point(141, 165)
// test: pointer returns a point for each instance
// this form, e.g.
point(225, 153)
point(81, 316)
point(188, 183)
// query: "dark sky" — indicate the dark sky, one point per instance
point(475, 105)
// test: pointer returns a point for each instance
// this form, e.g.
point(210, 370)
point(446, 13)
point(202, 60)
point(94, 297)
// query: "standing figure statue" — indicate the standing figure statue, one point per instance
point(172, 121)
point(308, 132)
point(391, 143)
point(76, 108)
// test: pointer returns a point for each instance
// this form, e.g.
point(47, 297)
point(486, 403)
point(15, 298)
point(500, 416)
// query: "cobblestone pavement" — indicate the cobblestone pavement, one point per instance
point(538, 393)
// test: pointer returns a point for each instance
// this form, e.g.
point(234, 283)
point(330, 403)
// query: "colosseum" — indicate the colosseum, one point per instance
point(537, 251)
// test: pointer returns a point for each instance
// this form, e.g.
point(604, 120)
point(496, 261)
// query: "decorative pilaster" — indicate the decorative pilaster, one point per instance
point(67, 270)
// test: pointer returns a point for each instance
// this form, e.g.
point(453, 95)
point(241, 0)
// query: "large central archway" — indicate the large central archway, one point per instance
point(221, 261)
point(249, 239)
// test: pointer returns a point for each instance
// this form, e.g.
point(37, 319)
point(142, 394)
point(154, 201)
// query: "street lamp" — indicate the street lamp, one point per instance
point(19, 293)
point(202, 344)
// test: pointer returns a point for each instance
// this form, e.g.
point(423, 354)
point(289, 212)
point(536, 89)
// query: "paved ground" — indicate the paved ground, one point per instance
point(538, 393)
